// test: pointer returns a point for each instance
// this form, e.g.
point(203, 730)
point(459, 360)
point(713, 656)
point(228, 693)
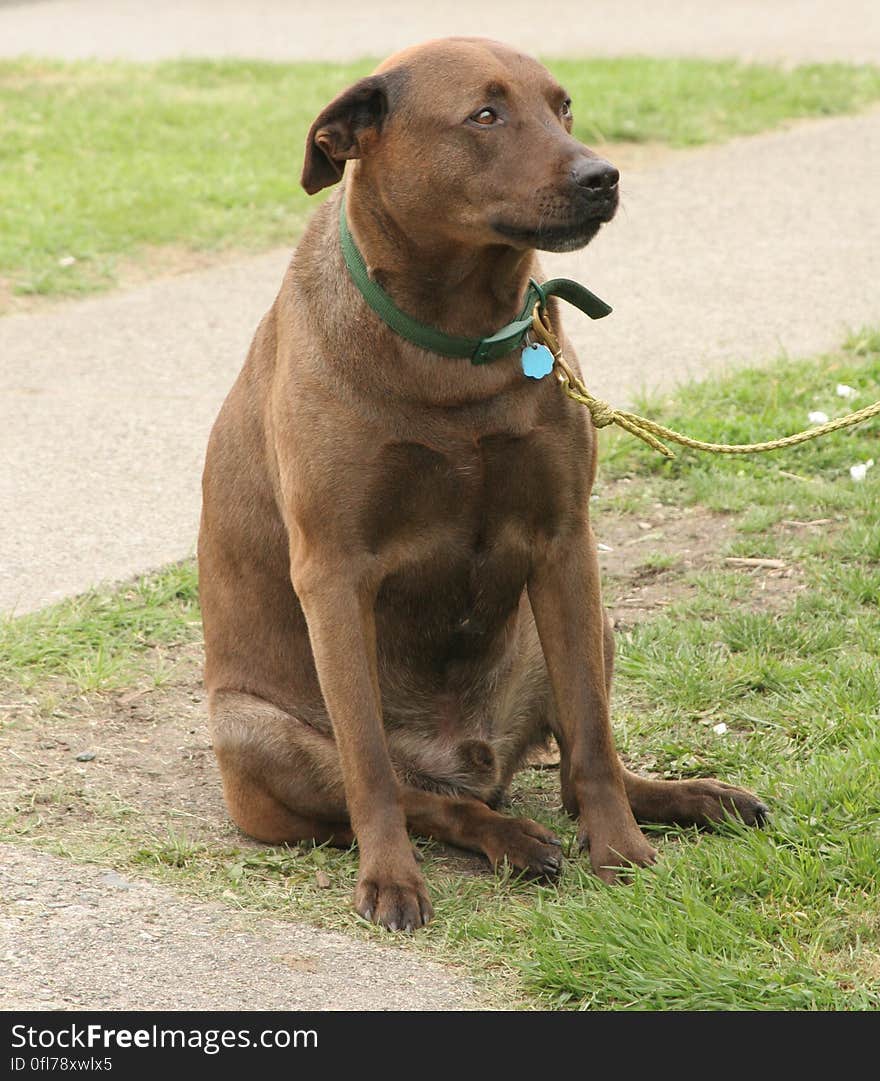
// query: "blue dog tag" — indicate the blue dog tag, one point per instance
point(537, 361)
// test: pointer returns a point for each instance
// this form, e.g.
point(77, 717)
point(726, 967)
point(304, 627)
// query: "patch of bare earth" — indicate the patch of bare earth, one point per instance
point(637, 157)
point(649, 561)
point(93, 764)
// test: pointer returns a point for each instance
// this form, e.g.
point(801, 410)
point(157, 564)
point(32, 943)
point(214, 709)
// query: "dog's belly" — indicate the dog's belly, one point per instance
point(454, 629)
point(462, 677)
point(452, 617)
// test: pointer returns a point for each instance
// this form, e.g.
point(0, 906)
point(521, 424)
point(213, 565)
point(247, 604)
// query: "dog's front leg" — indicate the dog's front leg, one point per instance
point(339, 613)
point(565, 596)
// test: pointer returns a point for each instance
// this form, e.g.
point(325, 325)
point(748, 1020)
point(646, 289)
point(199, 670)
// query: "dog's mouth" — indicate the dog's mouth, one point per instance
point(560, 236)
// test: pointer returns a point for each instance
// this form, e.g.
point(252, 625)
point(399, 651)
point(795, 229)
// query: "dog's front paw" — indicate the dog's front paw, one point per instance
point(398, 902)
point(616, 850)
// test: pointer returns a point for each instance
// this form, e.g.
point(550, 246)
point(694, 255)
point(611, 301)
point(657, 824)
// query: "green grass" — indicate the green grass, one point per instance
point(692, 102)
point(102, 640)
point(104, 162)
point(785, 918)
point(811, 481)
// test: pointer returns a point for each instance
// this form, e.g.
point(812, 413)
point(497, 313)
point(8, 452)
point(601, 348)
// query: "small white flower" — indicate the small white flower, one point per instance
point(857, 472)
point(843, 391)
point(818, 417)
point(719, 729)
point(67, 260)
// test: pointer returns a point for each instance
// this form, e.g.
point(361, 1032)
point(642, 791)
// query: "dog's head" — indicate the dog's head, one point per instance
point(475, 130)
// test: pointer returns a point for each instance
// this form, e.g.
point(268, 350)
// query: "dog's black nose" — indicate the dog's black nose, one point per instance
point(595, 173)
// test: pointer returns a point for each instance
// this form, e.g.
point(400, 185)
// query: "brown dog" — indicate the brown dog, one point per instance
point(398, 576)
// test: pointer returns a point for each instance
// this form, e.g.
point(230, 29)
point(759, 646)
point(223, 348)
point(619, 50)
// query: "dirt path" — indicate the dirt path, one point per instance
point(788, 30)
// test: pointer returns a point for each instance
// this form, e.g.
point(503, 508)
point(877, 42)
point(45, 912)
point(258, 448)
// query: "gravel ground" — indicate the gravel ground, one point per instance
point(78, 937)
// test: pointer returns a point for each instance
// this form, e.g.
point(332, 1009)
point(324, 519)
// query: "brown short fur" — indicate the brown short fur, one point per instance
point(397, 571)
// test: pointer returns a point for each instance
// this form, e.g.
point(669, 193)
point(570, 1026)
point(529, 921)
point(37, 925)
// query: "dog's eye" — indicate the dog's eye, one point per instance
point(565, 111)
point(485, 117)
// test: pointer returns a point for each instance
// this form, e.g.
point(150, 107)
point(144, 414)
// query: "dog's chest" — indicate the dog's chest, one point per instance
point(498, 489)
point(455, 532)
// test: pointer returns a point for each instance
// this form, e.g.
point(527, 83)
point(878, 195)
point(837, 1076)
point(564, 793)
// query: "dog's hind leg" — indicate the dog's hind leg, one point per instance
point(282, 781)
point(281, 778)
point(525, 845)
point(695, 802)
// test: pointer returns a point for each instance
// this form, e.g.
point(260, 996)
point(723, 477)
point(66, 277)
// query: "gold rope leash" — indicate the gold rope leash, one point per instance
point(648, 431)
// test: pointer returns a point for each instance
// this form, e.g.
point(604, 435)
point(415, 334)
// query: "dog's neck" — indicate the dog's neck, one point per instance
point(456, 288)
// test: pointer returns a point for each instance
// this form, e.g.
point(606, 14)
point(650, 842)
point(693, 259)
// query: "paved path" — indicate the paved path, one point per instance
point(735, 254)
point(789, 30)
point(105, 409)
point(79, 937)
point(731, 254)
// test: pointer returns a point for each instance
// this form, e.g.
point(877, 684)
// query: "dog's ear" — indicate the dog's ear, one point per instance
point(342, 131)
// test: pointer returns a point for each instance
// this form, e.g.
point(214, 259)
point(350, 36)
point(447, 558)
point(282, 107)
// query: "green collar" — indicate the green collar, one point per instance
point(479, 350)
